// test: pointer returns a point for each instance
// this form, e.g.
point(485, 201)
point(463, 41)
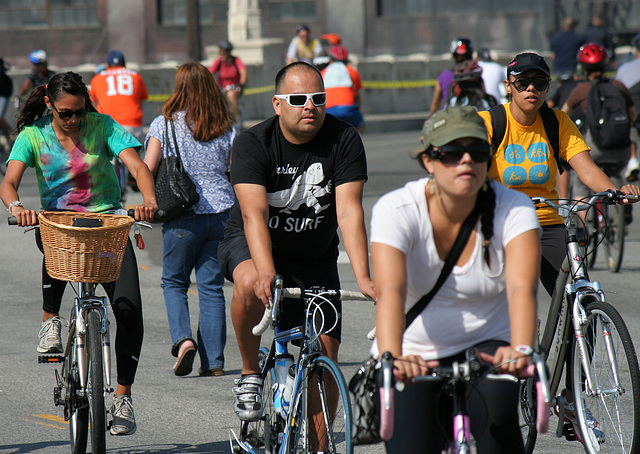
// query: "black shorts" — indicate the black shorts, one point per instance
point(296, 272)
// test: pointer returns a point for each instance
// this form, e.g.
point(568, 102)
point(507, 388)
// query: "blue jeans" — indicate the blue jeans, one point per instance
point(191, 241)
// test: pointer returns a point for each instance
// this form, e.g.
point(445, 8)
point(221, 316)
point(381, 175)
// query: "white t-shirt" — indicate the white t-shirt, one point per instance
point(493, 75)
point(629, 73)
point(471, 306)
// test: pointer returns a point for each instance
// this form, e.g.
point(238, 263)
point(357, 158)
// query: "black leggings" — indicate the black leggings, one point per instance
point(126, 304)
point(554, 251)
point(423, 415)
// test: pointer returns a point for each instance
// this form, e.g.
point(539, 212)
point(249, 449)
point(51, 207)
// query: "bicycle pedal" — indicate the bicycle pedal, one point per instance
point(45, 359)
point(568, 432)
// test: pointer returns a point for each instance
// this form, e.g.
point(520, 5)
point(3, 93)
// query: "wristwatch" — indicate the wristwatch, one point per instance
point(15, 203)
point(524, 349)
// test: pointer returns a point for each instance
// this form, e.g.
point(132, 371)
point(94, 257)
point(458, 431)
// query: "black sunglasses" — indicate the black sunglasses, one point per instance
point(522, 83)
point(452, 153)
point(67, 114)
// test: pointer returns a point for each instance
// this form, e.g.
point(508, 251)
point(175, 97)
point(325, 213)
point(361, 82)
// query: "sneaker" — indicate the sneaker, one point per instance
point(50, 339)
point(124, 422)
point(595, 432)
point(633, 168)
point(248, 392)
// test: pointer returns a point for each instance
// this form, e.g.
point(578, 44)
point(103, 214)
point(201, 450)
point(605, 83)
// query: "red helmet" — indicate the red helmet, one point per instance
point(338, 52)
point(592, 57)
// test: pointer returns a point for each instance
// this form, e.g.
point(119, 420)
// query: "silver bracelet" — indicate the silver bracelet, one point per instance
point(15, 203)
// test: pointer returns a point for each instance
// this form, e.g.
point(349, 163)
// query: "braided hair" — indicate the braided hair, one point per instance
point(486, 204)
point(68, 83)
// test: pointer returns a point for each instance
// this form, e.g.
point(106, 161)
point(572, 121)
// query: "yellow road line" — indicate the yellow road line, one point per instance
point(44, 423)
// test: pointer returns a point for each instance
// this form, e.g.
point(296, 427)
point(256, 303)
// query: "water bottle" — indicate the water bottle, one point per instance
point(288, 390)
point(281, 370)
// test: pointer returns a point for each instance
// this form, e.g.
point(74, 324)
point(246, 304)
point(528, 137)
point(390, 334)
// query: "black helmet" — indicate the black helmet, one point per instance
point(461, 47)
point(225, 45)
point(468, 72)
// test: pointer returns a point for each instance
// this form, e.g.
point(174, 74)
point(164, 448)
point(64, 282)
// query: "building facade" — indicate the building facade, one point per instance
point(75, 32)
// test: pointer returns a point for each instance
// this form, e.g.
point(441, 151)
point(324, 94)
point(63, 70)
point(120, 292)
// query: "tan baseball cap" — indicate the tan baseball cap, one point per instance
point(451, 124)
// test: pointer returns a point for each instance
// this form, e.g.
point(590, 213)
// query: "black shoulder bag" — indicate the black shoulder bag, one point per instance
point(175, 190)
point(366, 417)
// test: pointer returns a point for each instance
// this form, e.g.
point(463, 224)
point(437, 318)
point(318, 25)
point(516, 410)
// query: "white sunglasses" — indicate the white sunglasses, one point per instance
point(300, 99)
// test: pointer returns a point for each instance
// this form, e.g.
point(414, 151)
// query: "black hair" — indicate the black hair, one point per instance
point(68, 83)
point(486, 205)
point(282, 74)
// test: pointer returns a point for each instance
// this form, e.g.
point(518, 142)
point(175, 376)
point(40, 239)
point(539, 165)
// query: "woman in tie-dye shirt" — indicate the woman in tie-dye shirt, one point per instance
point(71, 147)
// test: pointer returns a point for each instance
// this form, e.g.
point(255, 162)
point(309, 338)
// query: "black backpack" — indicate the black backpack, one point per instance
point(549, 120)
point(607, 116)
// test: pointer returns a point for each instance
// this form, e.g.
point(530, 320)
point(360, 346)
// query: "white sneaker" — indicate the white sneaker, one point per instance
point(595, 432)
point(633, 168)
point(124, 422)
point(50, 339)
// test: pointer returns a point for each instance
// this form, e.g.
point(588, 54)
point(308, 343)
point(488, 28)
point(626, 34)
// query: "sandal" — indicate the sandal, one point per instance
point(217, 372)
point(184, 365)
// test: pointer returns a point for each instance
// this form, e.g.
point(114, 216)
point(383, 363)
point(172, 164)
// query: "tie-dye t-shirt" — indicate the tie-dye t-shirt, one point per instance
point(81, 180)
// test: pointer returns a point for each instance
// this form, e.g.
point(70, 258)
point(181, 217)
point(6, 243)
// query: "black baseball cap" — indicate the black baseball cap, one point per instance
point(526, 61)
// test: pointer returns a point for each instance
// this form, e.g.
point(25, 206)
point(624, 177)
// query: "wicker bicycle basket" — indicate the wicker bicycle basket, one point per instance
point(83, 254)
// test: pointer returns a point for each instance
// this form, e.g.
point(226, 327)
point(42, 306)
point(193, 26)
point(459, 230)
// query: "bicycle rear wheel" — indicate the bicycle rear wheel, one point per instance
point(614, 236)
point(76, 408)
point(95, 382)
point(263, 432)
point(615, 405)
point(321, 419)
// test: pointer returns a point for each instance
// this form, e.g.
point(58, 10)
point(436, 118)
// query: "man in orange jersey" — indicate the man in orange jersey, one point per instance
point(119, 92)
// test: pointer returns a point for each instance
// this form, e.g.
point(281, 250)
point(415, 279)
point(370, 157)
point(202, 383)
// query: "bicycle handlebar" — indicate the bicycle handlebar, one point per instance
point(297, 293)
point(473, 367)
point(610, 197)
point(12, 220)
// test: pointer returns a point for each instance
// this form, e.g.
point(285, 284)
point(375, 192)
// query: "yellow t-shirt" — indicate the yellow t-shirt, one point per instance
point(525, 161)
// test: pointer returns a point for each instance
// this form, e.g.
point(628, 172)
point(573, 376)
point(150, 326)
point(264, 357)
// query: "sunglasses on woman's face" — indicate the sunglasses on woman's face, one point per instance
point(452, 153)
point(67, 114)
point(300, 99)
point(522, 83)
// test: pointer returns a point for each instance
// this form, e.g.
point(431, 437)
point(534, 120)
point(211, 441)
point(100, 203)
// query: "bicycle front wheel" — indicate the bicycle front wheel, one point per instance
point(95, 382)
point(321, 419)
point(613, 402)
point(527, 412)
point(614, 236)
point(76, 408)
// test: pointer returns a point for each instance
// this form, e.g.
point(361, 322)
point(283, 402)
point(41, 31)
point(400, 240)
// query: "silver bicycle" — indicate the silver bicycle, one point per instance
point(588, 335)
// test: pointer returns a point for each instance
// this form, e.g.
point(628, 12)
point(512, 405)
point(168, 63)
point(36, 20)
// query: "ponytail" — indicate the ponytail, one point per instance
point(68, 83)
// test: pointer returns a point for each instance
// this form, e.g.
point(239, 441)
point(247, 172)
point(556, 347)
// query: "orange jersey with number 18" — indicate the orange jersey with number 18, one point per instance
point(119, 93)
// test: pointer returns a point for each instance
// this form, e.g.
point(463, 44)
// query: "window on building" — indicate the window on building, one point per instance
point(284, 10)
point(48, 13)
point(174, 12)
point(404, 7)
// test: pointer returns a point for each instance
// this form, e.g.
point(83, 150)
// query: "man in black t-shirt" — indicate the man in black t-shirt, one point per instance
point(298, 176)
